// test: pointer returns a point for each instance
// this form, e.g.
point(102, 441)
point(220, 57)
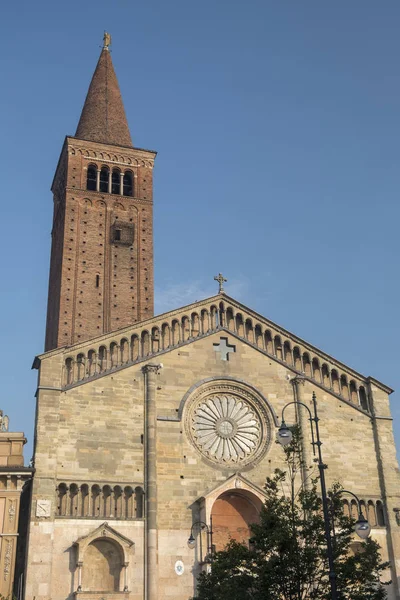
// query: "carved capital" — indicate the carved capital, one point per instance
point(152, 369)
point(299, 379)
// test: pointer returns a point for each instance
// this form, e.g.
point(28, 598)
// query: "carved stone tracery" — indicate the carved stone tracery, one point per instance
point(228, 424)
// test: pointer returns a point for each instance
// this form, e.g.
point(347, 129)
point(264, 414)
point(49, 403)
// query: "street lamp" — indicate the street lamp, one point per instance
point(361, 526)
point(284, 437)
point(209, 532)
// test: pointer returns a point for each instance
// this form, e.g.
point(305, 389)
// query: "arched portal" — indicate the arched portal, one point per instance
point(232, 514)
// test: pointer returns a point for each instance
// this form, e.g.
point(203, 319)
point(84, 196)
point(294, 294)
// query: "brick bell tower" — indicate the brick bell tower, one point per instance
point(101, 269)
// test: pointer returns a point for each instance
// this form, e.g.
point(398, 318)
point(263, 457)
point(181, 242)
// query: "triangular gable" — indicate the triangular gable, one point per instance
point(150, 339)
point(235, 481)
point(103, 531)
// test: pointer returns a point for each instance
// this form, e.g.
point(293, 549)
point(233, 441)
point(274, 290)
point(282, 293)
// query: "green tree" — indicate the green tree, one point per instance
point(287, 557)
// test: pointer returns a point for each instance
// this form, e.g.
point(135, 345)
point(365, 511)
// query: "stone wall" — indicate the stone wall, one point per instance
point(96, 432)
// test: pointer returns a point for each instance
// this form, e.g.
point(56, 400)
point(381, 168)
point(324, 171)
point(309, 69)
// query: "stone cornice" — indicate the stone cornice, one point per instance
point(142, 152)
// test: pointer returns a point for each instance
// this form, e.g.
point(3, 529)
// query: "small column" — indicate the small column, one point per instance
point(121, 184)
point(126, 576)
point(79, 565)
point(109, 181)
point(222, 319)
point(151, 575)
point(98, 180)
point(303, 421)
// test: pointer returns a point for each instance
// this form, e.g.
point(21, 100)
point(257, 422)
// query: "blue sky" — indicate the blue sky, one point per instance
point(277, 128)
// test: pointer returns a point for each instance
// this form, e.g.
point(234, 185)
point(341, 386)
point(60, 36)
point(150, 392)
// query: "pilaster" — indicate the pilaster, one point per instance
point(150, 372)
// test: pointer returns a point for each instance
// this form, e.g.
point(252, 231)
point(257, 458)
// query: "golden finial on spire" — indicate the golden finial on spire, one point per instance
point(106, 40)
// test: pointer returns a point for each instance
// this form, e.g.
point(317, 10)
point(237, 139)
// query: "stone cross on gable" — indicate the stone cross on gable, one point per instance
point(224, 348)
point(221, 280)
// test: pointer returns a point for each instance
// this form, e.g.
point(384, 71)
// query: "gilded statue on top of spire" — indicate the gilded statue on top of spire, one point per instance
point(106, 40)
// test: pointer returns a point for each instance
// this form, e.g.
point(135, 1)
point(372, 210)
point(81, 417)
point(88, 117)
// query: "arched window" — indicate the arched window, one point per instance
point(145, 345)
point(344, 387)
point(287, 353)
point(134, 347)
point(80, 361)
point(195, 325)
point(239, 325)
point(84, 500)
point(185, 328)
point(353, 392)
point(117, 502)
point(62, 500)
point(278, 347)
point(73, 498)
point(104, 177)
point(297, 358)
point(138, 502)
point(363, 398)
point(249, 333)
point(124, 351)
point(346, 509)
point(113, 354)
point(380, 514)
point(205, 321)
point(268, 342)
point(106, 508)
point(371, 513)
point(354, 510)
point(102, 358)
point(335, 381)
point(128, 183)
point(155, 339)
point(316, 369)
point(91, 362)
point(116, 182)
point(325, 376)
point(96, 501)
point(307, 364)
point(69, 364)
point(128, 502)
point(165, 333)
point(91, 183)
point(259, 336)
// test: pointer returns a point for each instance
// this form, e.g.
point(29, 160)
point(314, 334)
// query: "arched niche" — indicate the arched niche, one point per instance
point(102, 566)
point(102, 559)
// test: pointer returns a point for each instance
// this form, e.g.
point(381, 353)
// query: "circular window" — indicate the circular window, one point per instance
point(228, 424)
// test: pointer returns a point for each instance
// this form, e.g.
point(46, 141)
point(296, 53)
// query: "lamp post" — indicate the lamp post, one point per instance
point(284, 437)
point(361, 526)
point(202, 525)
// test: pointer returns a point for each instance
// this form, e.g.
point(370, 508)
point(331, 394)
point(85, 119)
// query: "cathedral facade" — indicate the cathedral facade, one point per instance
point(151, 430)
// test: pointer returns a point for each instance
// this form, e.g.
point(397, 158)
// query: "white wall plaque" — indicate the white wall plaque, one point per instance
point(43, 508)
point(179, 567)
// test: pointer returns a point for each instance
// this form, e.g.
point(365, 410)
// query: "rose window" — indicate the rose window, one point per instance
point(226, 428)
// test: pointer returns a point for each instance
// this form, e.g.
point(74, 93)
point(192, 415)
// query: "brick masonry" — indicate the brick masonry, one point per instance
point(97, 285)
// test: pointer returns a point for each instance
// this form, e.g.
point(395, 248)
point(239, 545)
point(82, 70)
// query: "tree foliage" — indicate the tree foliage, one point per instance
point(287, 556)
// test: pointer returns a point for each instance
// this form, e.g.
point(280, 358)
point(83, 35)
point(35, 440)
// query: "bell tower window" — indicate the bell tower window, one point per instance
point(116, 182)
point(128, 184)
point(91, 178)
point(104, 177)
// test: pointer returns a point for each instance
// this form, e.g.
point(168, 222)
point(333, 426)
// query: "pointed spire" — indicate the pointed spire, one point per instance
point(103, 116)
